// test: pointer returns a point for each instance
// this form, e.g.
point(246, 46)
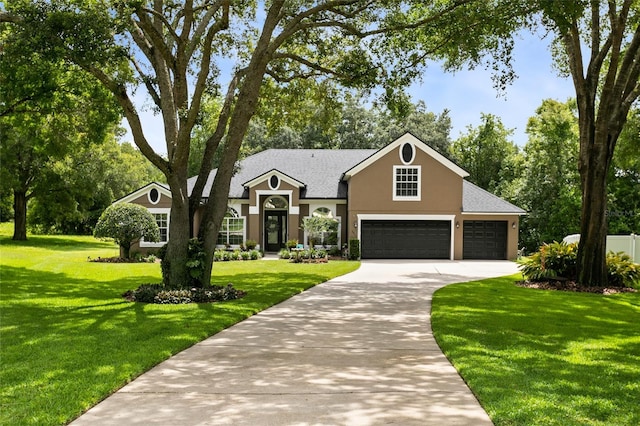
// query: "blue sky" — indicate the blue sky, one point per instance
point(466, 94)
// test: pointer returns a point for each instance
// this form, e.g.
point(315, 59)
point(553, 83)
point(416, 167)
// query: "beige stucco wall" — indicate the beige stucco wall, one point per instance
point(371, 190)
point(256, 221)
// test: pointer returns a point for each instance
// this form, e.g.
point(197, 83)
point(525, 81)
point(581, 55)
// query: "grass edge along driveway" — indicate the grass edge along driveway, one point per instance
point(68, 340)
point(535, 357)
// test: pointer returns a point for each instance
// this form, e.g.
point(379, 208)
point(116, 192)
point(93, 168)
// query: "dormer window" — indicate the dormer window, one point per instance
point(407, 153)
point(406, 183)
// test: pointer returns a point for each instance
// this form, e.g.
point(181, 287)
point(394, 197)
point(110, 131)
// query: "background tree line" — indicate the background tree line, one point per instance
point(541, 176)
point(299, 51)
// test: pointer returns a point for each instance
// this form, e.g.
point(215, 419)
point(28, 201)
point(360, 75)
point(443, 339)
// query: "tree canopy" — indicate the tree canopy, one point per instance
point(127, 224)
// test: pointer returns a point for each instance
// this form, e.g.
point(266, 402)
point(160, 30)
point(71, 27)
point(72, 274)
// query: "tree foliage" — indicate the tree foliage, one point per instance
point(600, 43)
point(487, 153)
point(48, 109)
point(550, 184)
point(177, 51)
point(85, 182)
point(127, 224)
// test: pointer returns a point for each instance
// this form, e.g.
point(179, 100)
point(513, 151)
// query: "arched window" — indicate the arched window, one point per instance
point(323, 212)
point(276, 203)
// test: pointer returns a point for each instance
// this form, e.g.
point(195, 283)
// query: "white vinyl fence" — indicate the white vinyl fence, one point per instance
point(629, 244)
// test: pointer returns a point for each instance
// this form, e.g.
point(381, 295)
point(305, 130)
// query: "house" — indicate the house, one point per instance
point(403, 201)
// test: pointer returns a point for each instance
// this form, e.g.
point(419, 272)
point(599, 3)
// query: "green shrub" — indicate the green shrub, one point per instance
point(245, 255)
point(555, 260)
point(335, 251)
point(318, 254)
point(284, 254)
point(622, 270)
point(218, 255)
point(255, 254)
point(156, 293)
point(354, 249)
point(250, 244)
point(291, 244)
point(235, 255)
point(559, 260)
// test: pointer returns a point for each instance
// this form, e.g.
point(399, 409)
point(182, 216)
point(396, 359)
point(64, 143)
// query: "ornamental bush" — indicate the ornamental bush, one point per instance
point(559, 261)
point(156, 293)
point(127, 223)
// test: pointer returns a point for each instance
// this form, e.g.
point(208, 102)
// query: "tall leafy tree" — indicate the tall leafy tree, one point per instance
point(47, 109)
point(176, 51)
point(597, 44)
point(550, 188)
point(486, 152)
point(623, 182)
point(600, 42)
point(85, 182)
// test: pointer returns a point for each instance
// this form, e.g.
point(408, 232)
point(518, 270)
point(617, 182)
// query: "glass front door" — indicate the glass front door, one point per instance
point(275, 229)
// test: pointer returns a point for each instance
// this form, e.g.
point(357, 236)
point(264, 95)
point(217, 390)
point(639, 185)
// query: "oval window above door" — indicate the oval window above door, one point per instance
point(274, 182)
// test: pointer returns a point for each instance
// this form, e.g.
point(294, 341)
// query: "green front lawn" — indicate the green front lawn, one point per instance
point(535, 357)
point(67, 338)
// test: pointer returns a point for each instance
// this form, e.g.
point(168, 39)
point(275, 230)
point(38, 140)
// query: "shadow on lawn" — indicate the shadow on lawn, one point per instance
point(60, 242)
point(541, 357)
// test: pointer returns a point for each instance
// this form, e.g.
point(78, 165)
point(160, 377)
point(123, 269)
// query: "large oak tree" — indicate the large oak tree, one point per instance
point(178, 51)
point(600, 41)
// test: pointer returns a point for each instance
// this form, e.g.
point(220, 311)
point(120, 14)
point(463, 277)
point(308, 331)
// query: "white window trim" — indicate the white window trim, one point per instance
point(402, 198)
point(149, 196)
point(152, 210)
point(244, 232)
point(339, 219)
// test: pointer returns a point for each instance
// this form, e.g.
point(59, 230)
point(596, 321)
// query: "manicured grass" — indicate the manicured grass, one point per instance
point(535, 357)
point(68, 339)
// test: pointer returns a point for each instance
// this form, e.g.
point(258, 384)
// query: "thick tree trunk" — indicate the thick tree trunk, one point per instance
point(20, 212)
point(174, 265)
point(126, 250)
point(592, 268)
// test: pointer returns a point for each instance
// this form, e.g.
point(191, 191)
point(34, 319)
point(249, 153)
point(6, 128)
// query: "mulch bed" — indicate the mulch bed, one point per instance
point(117, 260)
point(566, 285)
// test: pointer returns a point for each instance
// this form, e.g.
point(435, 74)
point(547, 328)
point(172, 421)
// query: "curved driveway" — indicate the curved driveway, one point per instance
point(356, 350)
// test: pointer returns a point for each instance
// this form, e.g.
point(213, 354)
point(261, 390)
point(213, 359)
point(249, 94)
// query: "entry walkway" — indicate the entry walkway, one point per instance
point(357, 350)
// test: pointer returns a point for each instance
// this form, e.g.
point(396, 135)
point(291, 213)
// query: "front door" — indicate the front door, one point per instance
point(275, 229)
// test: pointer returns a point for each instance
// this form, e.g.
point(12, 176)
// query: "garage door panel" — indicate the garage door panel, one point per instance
point(484, 239)
point(406, 239)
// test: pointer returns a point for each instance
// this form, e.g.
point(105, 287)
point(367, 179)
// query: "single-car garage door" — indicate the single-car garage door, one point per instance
point(485, 239)
point(405, 239)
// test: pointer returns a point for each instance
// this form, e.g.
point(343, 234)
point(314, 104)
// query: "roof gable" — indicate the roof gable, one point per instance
point(417, 143)
point(162, 189)
point(274, 172)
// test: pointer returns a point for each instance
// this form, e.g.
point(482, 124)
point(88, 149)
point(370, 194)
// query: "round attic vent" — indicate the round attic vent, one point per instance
point(407, 153)
point(274, 182)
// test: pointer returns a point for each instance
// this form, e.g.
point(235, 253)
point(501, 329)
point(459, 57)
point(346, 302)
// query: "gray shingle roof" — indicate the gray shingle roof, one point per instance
point(477, 200)
point(321, 171)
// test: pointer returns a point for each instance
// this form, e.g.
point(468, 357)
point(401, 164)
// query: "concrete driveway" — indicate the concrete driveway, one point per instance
point(357, 350)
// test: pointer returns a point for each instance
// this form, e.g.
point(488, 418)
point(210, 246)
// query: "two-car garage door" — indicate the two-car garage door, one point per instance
point(431, 239)
point(406, 239)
